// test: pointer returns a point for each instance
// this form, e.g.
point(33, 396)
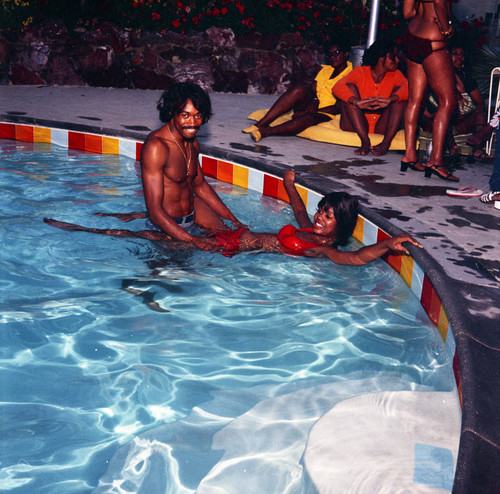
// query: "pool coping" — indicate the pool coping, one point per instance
point(449, 303)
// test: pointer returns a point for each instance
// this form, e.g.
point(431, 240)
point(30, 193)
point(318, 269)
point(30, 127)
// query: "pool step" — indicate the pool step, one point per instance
point(400, 441)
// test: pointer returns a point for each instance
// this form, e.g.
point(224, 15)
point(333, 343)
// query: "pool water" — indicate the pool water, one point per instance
point(127, 367)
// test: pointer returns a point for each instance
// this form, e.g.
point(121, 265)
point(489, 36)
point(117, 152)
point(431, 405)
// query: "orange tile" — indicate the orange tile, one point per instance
point(281, 193)
point(224, 171)
point(93, 143)
point(24, 133)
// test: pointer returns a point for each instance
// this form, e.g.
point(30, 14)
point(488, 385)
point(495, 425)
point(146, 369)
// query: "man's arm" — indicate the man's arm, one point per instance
point(204, 191)
point(153, 157)
point(298, 206)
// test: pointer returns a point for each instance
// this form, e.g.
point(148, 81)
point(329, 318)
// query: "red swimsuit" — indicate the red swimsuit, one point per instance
point(291, 243)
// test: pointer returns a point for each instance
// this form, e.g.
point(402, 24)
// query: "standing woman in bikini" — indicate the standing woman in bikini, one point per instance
point(428, 64)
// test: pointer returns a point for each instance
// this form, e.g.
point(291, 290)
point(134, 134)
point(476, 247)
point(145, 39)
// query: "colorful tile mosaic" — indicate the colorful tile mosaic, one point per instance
point(249, 178)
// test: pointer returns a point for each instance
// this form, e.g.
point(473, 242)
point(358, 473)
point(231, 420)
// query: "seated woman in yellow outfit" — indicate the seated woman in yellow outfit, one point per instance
point(310, 105)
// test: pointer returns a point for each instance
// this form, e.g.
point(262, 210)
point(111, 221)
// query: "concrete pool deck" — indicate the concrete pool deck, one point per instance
point(461, 236)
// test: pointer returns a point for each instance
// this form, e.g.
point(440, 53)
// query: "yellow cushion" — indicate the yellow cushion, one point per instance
point(331, 132)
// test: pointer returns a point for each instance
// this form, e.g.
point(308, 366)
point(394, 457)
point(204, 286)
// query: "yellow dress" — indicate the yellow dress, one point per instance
point(324, 85)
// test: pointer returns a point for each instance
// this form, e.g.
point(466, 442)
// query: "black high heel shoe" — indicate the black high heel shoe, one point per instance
point(412, 165)
point(430, 169)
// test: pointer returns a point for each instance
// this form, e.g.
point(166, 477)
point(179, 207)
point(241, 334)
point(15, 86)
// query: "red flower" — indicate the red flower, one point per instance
point(176, 23)
point(223, 11)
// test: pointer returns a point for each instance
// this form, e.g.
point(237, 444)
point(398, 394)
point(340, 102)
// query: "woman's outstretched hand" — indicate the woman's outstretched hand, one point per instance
point(395, 244)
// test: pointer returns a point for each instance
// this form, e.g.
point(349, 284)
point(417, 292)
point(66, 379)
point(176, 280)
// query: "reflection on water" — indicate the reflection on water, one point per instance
point(163, 371)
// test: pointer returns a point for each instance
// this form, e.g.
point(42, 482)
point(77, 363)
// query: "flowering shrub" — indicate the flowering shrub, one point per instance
point(314, 19)
point(318, 20)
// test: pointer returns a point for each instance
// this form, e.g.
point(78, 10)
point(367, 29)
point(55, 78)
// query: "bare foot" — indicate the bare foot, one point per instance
point(482, 135)
point(363, 150)
point(379, 149)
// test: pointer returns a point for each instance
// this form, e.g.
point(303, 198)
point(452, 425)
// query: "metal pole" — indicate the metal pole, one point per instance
point(372, 28)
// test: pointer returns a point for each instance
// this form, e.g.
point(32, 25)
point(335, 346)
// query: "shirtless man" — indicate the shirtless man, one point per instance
point(176, 193)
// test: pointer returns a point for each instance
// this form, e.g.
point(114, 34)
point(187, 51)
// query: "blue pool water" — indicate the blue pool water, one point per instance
point(129, 368)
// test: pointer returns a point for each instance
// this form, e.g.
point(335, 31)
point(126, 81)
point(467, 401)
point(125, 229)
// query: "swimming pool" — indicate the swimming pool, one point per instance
point(149, 370)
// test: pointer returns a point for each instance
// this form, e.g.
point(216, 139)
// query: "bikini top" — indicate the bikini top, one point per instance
point(291, 244)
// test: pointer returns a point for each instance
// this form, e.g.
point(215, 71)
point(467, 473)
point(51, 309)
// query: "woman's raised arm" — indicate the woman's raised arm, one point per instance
point(298, 206)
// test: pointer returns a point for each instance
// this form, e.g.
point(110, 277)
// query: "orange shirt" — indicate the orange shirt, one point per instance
point(362, 78)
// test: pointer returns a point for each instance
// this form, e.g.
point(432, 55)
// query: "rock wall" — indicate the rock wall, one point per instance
point(107, 56)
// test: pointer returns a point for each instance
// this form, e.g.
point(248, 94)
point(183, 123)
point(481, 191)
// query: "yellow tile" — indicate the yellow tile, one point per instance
point(110, 145)
point(304, 193)
point(42, 134)
point(358, 230)
point(240, 176)
point(443, 324)
point(406, 272)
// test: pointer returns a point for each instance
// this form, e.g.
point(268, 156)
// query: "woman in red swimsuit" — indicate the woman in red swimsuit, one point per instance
point(428, 64)
point(332, 226)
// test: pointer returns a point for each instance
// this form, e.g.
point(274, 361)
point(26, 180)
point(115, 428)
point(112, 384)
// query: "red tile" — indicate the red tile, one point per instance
point(7, 131)
point(394, 262)
point(430, 301)
point(209, 166)
point(271, 185)
point(76, 140)
point(381, 235)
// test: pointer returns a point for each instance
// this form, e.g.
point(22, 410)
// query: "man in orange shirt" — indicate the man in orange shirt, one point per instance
point(373, 98)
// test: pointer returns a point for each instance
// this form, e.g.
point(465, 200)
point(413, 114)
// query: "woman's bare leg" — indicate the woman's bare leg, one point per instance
point(440, 76)
point(146, 234)
point(388, 124)
point(417, 81)
point(296, 98)
point(294, 126)
point(353, 119)
point(126, 217)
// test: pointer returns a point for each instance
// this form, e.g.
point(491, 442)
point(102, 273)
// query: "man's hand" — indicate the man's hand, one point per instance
point(204, 243)
point(237, 223)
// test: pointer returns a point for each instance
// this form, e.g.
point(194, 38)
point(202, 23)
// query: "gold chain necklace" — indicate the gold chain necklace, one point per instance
point(186, 158)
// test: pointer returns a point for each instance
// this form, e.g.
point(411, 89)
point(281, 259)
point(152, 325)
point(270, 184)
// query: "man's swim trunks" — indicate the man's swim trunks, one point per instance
point(293, 245)
point(185, 222)
point(417, 49)
point(229, 241)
